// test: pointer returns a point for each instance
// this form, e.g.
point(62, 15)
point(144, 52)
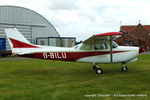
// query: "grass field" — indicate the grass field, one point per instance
point(56, 80)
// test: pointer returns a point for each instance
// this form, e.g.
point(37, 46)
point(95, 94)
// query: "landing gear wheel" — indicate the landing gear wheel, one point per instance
point(124, 68)
point(99, 71)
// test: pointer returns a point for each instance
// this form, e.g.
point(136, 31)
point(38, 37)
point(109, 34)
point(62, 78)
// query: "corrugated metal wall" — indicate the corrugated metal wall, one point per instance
point(28, 22)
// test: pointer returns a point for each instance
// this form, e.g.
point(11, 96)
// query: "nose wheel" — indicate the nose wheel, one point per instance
point(98, 69)
point(124, 68)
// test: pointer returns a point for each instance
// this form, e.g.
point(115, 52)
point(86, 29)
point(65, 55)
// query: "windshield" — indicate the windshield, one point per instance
point(114, 44)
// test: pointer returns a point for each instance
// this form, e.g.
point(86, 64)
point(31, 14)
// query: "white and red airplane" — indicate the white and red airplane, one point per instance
point(99, 48)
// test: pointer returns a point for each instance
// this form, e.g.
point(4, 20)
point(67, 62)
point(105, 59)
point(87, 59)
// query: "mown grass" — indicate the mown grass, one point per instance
point(57, 80)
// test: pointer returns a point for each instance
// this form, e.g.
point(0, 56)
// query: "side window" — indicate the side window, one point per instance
point(99, 46)
point(86, 47)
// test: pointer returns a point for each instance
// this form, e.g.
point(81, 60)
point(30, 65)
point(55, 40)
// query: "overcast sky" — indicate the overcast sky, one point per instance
point(83, 18)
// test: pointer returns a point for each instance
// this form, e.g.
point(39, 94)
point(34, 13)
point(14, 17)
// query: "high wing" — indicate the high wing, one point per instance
point(103, 37)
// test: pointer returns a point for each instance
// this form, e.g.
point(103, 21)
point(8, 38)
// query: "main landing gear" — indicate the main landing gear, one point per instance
point(98, 69)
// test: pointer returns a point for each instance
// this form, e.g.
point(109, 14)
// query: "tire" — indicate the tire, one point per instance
point(124, 68)
point(99, 71)
point(94, 67)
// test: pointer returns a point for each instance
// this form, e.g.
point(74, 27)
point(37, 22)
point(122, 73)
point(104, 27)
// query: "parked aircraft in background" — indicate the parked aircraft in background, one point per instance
point(99, 48)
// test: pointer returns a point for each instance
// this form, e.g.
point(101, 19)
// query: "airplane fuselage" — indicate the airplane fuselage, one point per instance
point(120, 54)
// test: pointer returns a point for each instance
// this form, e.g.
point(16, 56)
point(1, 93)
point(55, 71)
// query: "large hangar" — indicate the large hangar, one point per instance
point(30, 23)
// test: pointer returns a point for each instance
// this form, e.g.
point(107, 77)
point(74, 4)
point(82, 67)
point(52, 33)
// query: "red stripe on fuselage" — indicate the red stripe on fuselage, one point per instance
point(19, 44)
point(68, 56)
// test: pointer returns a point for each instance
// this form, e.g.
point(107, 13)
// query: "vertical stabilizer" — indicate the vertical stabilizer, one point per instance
point(17, 40)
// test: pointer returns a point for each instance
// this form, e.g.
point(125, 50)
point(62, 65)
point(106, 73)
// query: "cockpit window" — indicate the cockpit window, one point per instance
point(114, 45)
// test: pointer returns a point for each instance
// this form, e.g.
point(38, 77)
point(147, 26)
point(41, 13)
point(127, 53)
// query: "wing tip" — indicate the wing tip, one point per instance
point(109, 34)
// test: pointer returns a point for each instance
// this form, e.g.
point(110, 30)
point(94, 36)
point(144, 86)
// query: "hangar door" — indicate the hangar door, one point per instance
point(24, 29)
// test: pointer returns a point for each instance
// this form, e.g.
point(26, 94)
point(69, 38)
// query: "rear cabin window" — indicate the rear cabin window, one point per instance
point(86, 47)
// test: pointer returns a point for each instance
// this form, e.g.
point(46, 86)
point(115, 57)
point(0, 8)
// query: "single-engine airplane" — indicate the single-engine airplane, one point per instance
point(99, 48)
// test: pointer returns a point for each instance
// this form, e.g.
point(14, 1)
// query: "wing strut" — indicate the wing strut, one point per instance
point(111, 52)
